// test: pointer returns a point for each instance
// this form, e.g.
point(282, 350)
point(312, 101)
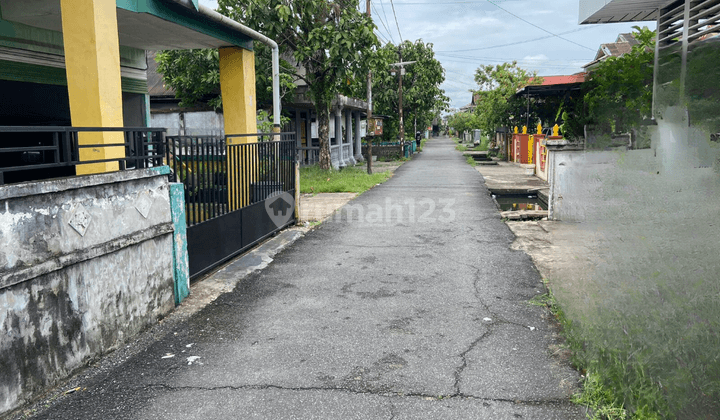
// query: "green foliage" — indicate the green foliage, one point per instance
point(332, 44)
point(423, 100)
point(702, 87)
point(618, 94)
point(265, 121)
point(315, 180)
point(496, 103)
point(664, 362)
point(192, 74)
point(463, 121)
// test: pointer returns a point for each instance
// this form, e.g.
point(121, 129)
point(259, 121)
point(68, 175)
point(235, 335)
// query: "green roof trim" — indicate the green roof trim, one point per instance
point(167, 10)
point(22, 72)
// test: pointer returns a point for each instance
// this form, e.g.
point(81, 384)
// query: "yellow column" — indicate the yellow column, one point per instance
point(237, 86)
point(92, 59)
point(531, 148)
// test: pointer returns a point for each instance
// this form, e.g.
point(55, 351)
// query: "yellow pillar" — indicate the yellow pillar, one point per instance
point(531, 148)
point(92, 59)
point(237, 86)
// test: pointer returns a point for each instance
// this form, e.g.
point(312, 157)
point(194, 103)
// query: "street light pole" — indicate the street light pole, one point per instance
point(402, 65)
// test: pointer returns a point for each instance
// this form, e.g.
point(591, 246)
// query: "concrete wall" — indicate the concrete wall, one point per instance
point(393, 152)
point(85, 263)
point(541, 160)
point(195, 123)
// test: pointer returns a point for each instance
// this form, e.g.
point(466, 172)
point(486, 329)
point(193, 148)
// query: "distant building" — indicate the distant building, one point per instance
point(622, 45)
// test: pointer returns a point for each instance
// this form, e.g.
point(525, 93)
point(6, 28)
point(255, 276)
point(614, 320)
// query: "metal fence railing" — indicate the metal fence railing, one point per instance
point(35, 153)
point(224, 174)
point(309, 155)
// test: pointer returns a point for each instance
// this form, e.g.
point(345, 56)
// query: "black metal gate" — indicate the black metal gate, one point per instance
point(236, 195)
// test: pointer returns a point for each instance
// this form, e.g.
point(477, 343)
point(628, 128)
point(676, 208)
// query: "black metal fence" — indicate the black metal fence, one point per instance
point(223, 174)
point(35, 153)
point(226, 183)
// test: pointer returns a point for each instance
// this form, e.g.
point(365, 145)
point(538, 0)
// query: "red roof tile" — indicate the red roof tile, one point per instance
point(563, 80)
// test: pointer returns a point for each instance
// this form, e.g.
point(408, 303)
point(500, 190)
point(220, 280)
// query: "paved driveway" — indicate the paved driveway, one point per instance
point(407, 304)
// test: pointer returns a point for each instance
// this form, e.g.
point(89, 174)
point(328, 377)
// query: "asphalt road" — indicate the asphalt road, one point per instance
point(407, 304)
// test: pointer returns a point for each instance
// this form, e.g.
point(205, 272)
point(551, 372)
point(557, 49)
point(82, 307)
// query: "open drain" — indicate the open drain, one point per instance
point(526, 206)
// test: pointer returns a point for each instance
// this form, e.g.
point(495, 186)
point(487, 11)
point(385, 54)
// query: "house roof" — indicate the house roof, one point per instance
point(553, 85)
point(622, 45)
point(562, 80)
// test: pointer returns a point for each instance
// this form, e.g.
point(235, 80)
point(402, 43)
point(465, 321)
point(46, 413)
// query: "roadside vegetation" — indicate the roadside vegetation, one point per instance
point(617, 384)
point(467, 147)
point(422, 144)
point(314, 180)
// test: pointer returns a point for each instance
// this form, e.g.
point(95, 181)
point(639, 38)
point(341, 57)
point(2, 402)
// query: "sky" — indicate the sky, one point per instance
point(541, 35)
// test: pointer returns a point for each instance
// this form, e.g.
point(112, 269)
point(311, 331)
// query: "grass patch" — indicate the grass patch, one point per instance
point(314, 180)
point(615, 387)
point(468, 147)
point(470, 161)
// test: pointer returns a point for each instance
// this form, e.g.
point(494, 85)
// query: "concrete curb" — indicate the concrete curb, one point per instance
point(226, 278)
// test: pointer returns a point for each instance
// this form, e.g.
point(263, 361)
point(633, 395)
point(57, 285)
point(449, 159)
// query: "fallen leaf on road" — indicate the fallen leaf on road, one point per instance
point(532, 328)
point(192, 359)
point(168, 355)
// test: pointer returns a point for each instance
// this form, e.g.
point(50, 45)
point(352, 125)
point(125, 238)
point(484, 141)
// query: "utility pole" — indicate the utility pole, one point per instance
point(368, 138)
point(402, 125)
point(402, 65)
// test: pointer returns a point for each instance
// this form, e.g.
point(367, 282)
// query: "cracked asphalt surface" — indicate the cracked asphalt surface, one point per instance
point(407, 304)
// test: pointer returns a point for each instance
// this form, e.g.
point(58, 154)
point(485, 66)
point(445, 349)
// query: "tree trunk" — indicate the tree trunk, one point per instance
point(323, 134)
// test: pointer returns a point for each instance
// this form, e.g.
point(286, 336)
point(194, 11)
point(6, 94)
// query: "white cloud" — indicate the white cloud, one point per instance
point(479, 25)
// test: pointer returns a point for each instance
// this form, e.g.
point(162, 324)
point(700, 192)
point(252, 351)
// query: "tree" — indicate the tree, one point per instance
point(194, 75)
point(617, 95)
point(463, 121)
point(497, 105)
point(332, 43)
point(619, 91)
point(423, 100)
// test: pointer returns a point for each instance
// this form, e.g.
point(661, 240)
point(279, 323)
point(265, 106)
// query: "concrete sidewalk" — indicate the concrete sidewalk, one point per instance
point(410, 304)
point(318, 207)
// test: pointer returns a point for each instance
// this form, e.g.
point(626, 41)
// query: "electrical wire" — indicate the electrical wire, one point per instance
point(396, 21)
point(536, 26)
point(382, 6)
point(381, 37)
point(517, 42)
point(383, 23)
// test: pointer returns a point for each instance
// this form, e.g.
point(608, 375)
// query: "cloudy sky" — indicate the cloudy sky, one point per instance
point(541, 35)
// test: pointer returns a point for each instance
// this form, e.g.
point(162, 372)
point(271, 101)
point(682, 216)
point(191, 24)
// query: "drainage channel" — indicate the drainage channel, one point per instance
point(521, 206)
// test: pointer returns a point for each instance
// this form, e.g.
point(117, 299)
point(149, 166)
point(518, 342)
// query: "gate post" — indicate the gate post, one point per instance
point(180, 253)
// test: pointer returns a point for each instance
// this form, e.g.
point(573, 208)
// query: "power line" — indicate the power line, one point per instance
point(381, 21)
point(542, 29)
point(382, 6)
point(380, 35)
point(545, 66)
point(517, 42)
point(396, 21)
point(472, 57)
